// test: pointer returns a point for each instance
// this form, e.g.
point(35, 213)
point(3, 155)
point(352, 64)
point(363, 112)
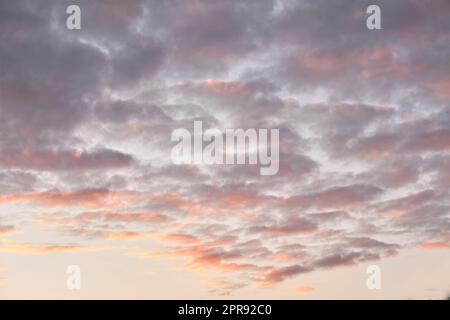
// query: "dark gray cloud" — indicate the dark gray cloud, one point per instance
point(48, 160)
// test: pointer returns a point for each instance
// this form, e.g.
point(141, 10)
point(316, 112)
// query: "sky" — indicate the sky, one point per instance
point(87, 179)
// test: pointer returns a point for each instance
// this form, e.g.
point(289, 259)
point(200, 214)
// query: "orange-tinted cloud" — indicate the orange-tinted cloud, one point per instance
point(86, 198)
point(177, 238)
point(27, 249)
point(6, 229)
point(304, 289)
point(435, 245)
point(202, 257)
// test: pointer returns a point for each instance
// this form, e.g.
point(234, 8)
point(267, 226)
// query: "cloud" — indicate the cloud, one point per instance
point(47, 160)
point(6, 229)
point(13, 181)
point(435, 245)
point(108, 234)
point(86, 198)
point(339, 259)
point(304, 289)
point(290, 227)
point(363, 119)
point(201, 257)
point(29, 249)
point(339, 197)
point(285, 272)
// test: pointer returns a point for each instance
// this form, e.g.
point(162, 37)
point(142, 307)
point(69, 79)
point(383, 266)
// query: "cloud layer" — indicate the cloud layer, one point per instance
point(364, 120)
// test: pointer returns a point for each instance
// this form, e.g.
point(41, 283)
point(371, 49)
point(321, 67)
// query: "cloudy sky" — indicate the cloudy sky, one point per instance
point(86, 176)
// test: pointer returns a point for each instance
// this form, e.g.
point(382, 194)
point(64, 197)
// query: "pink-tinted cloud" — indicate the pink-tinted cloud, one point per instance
point(86, 198)
point(435, 245)
point(6, 229)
